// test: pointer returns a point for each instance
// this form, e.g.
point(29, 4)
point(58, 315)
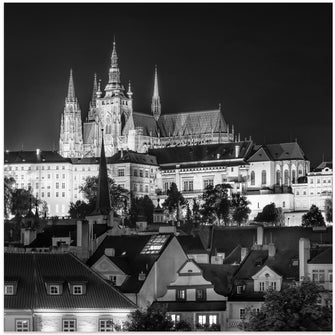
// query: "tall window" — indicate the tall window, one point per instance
point(135, 172)
point(108, 126)
point(22, 325)
point(69, 325)
point(242, 313)
point(252, 178)
point(278, 177)
point(200, 294)
point(293, 176)
point(120, 172)
point(188, 185)
point(318, 276)
point(208, 182)
point(175, 318)
point(202, 319)
point(181, 294)
point(263, 177)
point(286, 177)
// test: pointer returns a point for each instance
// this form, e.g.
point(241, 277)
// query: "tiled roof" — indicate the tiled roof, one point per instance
point(279, 151)
point(225, 239)
point(145, 121)
point(324, 165)
point(132, 157)
point(30, 157)
point(31, 293)
point(325, 256)
point(191, 244)
point(199, 153)
point(198, 122)
point(129, 258)
point(189, 306)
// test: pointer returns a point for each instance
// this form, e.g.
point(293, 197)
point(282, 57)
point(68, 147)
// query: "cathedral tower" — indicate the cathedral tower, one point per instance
point(156, 103)
point(71, 138)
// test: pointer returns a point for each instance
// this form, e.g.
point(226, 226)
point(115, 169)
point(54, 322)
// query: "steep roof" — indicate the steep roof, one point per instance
point(277, 152)
point(128, 257)
point(191, 244)
point(198, 154)
point(29, 157)
point(324, 165)
point(31, 271)
point(132, 157)
point(145, 121)
point(325, 256)
point(197, 122)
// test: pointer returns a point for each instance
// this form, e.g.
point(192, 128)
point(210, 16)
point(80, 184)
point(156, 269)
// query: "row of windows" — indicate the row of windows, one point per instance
point(140, 173)
point(181, 294)
point(32, 168)
point(319, 275)
point(202, 319)
point(319, 181)
point(48, 176)
point(140, 188)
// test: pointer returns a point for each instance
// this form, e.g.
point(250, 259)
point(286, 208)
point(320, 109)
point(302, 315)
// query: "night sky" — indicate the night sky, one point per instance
point(269, 65)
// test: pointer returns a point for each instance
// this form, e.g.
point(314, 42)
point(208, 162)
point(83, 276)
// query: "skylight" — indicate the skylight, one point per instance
point(155, 244)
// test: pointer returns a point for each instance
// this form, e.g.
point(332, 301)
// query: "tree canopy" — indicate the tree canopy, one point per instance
point(141, 206)
point(174, 200)
point(216, 204)
point(313, 218)
point(153, 319)
point(294, 308)
point(240, 208)
point(21, 201)
point(271, 214)
point(329, 209)
point(9, 184)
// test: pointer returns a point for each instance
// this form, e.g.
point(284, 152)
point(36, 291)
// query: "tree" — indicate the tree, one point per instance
point(143, 206)
point(313, 218)
point(174, 200)
point(271, 214)
point(240, 207)
point(295, 308)
point(329, 209)
point(118, 194)
point(22, 200)
point(80, 209)
point(9, 183)
point(216, 203)
point(153, 319)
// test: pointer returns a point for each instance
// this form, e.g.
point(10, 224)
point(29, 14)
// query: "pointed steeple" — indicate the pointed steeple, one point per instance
point(156, 104)
point(71, 97)
point(114, 55)
point(130, 93)
point(114, 82)
point(94, 92)
point(102, 205)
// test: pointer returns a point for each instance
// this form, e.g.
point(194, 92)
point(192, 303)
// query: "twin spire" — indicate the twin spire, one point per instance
point(71, 97)
point(156, 103)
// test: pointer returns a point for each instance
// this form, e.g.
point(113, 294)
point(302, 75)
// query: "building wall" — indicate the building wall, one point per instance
point(10, 317)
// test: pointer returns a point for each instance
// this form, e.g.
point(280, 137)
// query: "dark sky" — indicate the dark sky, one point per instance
point(269, 65)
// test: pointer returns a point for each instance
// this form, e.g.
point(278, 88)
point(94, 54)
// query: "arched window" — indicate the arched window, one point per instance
point(278, 177)
point(293, 176)
point(263, 177)
point(108, 126)
point(252, 178)
point(286, 181)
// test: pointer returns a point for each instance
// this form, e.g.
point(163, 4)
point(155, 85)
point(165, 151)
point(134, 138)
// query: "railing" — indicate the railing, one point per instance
point(234, 323)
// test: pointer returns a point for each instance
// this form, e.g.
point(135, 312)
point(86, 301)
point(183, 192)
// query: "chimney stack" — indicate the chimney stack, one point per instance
point(272, 249)
point(244, 253)
point(260, 233)
point(304, 256)
point(237, 151)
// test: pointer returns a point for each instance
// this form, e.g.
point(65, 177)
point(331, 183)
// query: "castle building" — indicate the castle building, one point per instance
point(127, 129)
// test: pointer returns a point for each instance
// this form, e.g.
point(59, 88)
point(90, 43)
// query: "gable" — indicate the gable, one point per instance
point(260, 156)
point(190, 268)
point(105, 265)
point(263, 272)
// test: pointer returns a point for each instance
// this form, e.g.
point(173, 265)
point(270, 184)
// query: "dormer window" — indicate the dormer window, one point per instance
point(201, 294)
point(54, 289)
point(77, 289)
point(181, 294)
point(9, 289)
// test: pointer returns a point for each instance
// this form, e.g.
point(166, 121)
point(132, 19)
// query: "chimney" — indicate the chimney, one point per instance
point(260, 232)
point(272, 249)
point(141, 276)
point(38, 152)
point(121, 155)
point(244, 253)
point(110, 252)
point(304, 256)
point(237, 151)
point(79, 233)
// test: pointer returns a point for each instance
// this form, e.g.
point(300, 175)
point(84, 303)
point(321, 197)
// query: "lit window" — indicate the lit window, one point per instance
point(283, 203)
point(202, 319)
point(57, 167)
point(57, 176)
point(135, 172)
point(155, 244)
point(175, 318)
point(56, 194)
point(213, 319)
point(188, 185)
point(49, 176)
point(263, 177)
point(77, 289)
point(318, 181)
point(69, 325)
point(146, 188)
point(141, 188)
point(311, 181)
point(22, 325)
point(200, 294)
point(63, 167)
point(63, 185)
point(181, 294)
point(113, 280)
point(48, 194)
point(120, 172)
point(57, 185)
point(146, 174)
point(261, 286)
point(252, 178)
point(106, 325)
point(63, 194)
point(54, 289)
point(9, 289)
point(330, 274)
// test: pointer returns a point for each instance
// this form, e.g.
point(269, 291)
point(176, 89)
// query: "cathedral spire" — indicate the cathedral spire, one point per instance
point(114, 82)
point(94, 93)
point(70, 92)
point(103, 205)
point(156, 104)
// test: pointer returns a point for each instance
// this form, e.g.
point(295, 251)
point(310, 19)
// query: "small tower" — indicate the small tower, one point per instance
point(156, 104)
point(93, 102)
point(71, 137)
